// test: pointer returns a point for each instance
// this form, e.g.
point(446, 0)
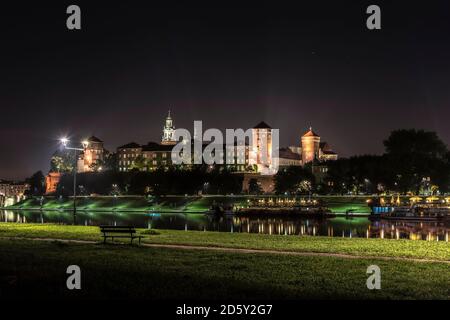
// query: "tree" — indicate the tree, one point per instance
point(290, 179)
point(254, 187)
point(139, 163)
point(111, 161)
point(37, 184)
point(62, 161)
point(413, 155)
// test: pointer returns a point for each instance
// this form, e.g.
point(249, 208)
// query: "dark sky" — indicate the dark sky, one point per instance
point(229, 64)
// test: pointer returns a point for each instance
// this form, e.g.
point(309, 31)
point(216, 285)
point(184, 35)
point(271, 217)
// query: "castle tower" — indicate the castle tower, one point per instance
point(310, 146)
point(261, 148)
point(168, 137)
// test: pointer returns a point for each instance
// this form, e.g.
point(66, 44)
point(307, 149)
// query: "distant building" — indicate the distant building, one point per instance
point(260, 151)
point(326, 153)
point(168, 137)
point(157, 155)
point(92, 157)
point(144, 157)
point(12, 192)
point(153, 155)
point(13, 189)
point(51, 182)
point(310, 142)
point(312, 149)
point(287, 158)
point(127, 155)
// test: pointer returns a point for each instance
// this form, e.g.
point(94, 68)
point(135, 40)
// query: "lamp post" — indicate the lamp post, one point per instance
point(85, 144)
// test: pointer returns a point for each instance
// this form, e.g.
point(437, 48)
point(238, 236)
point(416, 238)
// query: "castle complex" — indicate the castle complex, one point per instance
point(260, 159)
point(258, 155)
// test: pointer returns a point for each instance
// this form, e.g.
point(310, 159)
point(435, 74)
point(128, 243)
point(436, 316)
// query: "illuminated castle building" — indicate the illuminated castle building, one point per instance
point(310, 142)
point(51, 182)
point(312, 149)
point(92, 157)
point(168, 137)
point(261, 153)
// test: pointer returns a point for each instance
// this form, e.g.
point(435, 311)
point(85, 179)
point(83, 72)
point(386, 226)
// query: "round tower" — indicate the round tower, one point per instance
point(310, 146)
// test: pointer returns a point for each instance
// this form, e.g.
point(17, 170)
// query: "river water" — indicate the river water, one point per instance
point(355, 227)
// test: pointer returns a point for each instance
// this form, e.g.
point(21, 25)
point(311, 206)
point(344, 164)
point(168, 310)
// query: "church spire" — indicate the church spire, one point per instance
point(168, 136)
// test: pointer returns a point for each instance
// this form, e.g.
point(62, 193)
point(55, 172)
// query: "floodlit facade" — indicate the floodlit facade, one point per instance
point(310, 142)
point(168, 137)
point(261, 152)
point(92, 157)
point(51, 182)
point(312, 149)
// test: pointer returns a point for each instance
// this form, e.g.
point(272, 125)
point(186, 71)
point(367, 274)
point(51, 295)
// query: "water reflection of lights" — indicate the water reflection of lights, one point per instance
point(347, 228)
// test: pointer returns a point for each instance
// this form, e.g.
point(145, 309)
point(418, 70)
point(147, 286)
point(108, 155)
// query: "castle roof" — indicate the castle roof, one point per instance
point(286, 153)
point(310, 133)
point(262, 125)
point(153, 146)
point(329, 152)
point(130, 145)
point(94, 139)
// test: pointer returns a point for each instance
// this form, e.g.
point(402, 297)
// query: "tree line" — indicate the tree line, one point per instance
point(414, 161)
point(198, 180)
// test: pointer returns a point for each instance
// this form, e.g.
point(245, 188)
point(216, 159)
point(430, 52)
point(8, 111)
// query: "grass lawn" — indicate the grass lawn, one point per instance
point(355, 246)
point(37, 269)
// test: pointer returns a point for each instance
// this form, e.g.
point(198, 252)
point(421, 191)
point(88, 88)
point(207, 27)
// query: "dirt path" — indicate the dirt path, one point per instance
point(240, 250)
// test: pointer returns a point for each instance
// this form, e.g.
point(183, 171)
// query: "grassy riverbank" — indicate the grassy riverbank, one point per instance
point(337, 204)
point(355, 246)
point(34, 269)
point(37, 269)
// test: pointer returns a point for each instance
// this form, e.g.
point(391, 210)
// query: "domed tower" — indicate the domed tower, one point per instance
point(168, 137)
point(310, 146)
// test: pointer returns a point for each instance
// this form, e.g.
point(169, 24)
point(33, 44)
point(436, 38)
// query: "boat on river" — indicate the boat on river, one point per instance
point(414, 208)
point(285, 206)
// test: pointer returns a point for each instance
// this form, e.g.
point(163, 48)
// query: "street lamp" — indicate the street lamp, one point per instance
point(84, 144)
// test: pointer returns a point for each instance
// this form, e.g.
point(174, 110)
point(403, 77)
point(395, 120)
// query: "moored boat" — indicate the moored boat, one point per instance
point(281, 206)
point(415, 208)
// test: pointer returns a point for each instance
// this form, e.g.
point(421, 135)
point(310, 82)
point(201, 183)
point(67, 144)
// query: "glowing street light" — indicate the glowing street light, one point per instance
point(84, 144)
point(64, 141)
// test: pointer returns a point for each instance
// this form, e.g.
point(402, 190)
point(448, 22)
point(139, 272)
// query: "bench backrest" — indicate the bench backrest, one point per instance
point(117, 229)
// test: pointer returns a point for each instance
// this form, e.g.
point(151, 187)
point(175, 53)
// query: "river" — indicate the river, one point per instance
point(353, 227)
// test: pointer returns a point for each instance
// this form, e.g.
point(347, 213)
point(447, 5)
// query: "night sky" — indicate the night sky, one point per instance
point(228, 64)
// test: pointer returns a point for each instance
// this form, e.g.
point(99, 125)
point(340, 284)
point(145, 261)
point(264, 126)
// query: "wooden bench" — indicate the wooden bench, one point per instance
point(119, 232)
